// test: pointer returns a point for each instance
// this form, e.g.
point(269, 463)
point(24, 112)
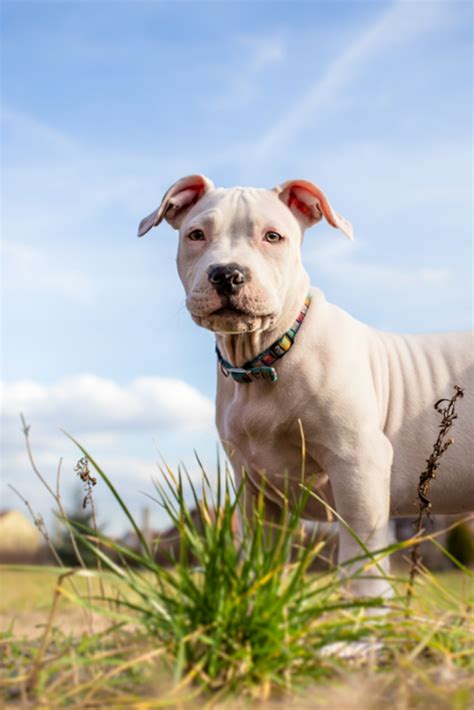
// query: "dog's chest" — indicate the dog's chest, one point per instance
point(263, 430)
point(263, 435)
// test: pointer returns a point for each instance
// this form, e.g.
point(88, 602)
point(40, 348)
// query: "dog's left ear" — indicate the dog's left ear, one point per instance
point(177, 201)
point(309, 204)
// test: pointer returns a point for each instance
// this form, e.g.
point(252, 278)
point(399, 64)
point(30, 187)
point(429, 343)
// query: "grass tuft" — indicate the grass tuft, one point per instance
point(240, 613)
point(234, 611)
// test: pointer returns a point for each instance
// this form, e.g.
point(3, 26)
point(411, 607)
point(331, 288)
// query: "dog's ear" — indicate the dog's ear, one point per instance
point(309, 204)
point(177, 201)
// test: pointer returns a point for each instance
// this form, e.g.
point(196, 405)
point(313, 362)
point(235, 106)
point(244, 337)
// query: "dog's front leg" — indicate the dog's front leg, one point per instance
point(256, 508)
point(361, 489)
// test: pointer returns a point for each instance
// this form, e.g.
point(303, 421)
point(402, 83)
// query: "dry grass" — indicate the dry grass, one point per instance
point(425, 662)
point(239, 626)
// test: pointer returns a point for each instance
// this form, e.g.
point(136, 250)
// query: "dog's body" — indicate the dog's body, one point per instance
point(362, 398)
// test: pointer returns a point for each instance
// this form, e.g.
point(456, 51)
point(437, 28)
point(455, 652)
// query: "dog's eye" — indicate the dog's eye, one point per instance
point(273, 237)
point(197, 235)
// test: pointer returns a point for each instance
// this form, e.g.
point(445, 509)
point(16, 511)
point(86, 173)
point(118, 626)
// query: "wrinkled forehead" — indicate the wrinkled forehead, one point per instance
point(240, 209)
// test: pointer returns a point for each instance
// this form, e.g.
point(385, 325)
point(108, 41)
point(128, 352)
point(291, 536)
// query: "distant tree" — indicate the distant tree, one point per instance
point(64, 546)
point(460, 543)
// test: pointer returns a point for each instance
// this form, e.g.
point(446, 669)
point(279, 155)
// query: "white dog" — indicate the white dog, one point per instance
point(364, 397)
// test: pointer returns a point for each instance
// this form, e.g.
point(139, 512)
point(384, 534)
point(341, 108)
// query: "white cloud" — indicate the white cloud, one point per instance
point(122, 468)
point(124, 427)
point(132, 475)
point(87, 403)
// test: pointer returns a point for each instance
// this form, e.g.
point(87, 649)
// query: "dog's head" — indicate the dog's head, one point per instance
point(239, 248)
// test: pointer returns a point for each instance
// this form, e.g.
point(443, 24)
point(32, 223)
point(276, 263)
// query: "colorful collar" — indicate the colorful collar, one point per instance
point(260, 367)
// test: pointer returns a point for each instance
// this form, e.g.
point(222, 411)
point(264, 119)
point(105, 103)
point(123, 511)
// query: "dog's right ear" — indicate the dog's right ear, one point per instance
point(177, 201)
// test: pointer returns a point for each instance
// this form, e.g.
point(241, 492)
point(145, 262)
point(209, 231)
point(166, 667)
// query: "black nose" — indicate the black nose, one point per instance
point(227, 279)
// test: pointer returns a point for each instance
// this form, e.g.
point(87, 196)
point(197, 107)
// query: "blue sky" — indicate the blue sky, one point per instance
point(106, 104)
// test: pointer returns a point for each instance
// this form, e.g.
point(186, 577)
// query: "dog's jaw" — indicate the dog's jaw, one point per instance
point(235, 324)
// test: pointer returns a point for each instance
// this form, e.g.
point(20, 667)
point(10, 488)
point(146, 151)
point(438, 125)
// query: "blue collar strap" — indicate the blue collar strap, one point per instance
point(260, 367)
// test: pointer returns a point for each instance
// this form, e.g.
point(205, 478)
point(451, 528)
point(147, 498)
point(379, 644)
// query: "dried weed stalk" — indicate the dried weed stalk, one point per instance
point(83, 471)
point(445, 407)
point(38, 663)
point(55, 494)
point(38, 520)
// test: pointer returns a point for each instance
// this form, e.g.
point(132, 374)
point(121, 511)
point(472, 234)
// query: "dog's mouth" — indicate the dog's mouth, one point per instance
point(231, 319)
point(230, 311)
point(231, 315)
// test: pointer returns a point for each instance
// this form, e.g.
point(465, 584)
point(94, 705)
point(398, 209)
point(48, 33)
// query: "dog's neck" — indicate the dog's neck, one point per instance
point(239, 348)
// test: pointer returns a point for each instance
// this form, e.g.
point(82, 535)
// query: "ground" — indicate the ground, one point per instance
point(417, 681)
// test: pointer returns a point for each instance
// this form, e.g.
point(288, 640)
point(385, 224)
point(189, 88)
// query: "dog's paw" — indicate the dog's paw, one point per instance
point(353, 650)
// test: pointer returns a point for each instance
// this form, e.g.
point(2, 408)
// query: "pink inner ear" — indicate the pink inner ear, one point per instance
point(186, 197)
point(311, 201)
point(183, 199)
point(305, 208)
point(183, 194)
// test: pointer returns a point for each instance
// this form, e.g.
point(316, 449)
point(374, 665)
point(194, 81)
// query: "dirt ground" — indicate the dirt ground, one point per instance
point(31, 624)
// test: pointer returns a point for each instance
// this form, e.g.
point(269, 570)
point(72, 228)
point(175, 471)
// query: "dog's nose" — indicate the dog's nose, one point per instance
point(227, 279)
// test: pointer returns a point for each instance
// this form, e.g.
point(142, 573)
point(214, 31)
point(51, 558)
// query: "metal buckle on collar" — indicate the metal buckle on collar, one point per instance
point(240, 375)
point(243, 376)
point(224, 369)
point(264, 373)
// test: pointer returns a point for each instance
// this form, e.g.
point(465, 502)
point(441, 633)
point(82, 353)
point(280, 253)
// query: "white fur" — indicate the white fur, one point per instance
point(364, 397)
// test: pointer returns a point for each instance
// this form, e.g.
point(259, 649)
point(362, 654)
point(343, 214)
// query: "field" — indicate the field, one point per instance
point(234, 623)
point(121, 667)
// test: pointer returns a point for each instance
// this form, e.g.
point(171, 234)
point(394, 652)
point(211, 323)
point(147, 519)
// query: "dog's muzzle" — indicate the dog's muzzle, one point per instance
point(227, 279)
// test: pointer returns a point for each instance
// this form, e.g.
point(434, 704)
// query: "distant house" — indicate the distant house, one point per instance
point(20, 540)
